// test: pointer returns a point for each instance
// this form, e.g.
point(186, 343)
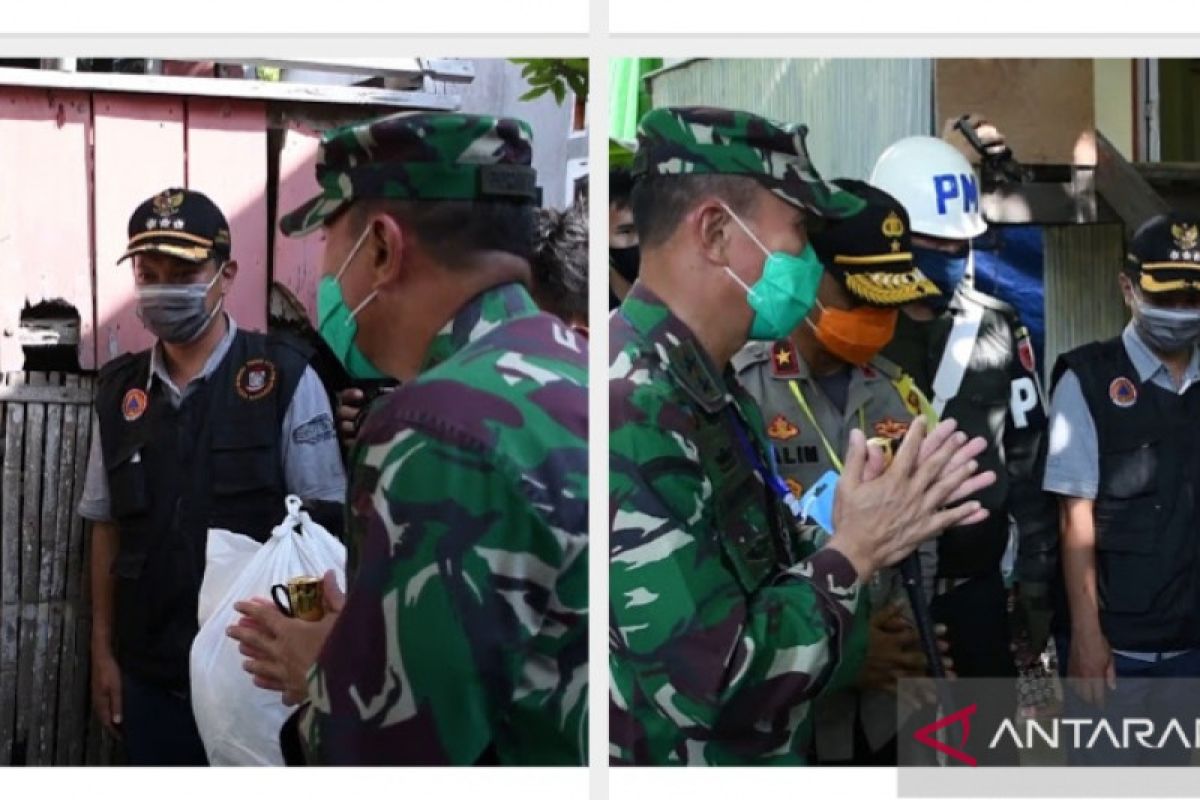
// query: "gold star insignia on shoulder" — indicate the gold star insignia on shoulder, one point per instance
point(784, 362)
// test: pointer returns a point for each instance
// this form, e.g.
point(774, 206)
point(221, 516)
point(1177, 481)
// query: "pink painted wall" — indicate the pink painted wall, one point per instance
point(298, 261)
point(45, 219)
point(139, 147)
point(227, 160)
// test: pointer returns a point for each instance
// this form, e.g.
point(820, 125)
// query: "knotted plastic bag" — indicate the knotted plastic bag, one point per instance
point(239, 722)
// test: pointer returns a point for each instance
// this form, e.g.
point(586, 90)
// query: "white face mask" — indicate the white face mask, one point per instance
point(1168, 330)
point(175, 312)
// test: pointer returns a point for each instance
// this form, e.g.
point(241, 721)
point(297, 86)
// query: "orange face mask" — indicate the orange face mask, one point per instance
point(855, 336)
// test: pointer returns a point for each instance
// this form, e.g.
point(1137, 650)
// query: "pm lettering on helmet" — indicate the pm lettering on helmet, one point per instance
point(953, 187)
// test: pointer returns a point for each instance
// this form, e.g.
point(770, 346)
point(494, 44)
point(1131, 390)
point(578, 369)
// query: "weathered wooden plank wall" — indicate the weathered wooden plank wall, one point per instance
point(44, 609)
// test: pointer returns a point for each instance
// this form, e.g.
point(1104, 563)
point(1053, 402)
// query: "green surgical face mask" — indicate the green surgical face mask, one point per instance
point(335, 321)
point(785, 293)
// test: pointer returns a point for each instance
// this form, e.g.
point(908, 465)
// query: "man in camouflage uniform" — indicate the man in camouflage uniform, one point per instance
point(814, 388)
point(726, 621)
point(463, 638)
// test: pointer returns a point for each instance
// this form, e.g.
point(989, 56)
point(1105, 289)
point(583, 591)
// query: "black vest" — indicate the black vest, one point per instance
point(1145, 511)
point(980, 407)
point(174, 473)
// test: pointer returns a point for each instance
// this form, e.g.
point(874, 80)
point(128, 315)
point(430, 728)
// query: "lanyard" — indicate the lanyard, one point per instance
point(904, 386)
point(767, 472)
point(833, 456)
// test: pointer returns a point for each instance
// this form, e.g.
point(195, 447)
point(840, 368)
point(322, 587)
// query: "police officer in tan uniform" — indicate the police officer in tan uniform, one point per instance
point(816, 387)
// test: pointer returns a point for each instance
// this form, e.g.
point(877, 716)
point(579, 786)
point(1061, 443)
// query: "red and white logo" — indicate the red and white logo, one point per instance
point(925, 735)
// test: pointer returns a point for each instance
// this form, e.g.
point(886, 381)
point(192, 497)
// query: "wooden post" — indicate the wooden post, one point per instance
point(10, 564)
point(79, 583)
point(35, 427)
point(67, 579)
point(49, 620)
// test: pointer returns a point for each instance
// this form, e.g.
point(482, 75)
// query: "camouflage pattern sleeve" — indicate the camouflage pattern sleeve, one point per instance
point(705, 668)
point(464, 636)
point(460, 623)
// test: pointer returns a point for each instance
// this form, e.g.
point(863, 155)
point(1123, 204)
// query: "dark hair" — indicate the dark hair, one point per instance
point(620, 186)
point(453, 230)
point(560, 262)
point(660, 202)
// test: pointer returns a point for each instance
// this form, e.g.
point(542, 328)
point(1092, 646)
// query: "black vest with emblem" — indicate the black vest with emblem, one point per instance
point(174, 473)
point(1146, 507)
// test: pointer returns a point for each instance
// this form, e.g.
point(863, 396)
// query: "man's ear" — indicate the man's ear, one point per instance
point(389, 246)
point(711, 223)
point(229, 271)
point(1126, 284)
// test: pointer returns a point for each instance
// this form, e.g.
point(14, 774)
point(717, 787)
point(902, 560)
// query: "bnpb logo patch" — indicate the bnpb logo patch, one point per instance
point(133, 405)
point(1122, 392)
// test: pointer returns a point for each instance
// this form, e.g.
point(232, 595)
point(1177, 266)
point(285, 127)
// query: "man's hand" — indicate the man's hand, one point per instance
point(106, 688)
point(350, 405)
point(280, 650)
point(882, 515)
point(1091, 663)
point(989, 135)
point(894, 651)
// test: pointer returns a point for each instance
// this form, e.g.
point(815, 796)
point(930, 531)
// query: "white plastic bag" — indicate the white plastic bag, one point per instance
point(238, 721)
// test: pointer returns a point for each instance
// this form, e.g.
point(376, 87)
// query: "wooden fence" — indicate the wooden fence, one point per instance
point(45, 614)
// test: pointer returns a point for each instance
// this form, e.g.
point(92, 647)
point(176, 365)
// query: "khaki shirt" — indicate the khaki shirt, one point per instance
point(874, 403)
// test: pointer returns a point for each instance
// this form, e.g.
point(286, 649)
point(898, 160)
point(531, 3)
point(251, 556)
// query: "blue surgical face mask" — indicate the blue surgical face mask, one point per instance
point(335, 321)
point(1167, 330)
point(176, 313)
point(782, 297)
point(946, 270)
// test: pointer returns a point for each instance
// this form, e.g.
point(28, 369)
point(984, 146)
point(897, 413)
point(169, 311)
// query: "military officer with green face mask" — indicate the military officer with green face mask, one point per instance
point(462, 638)
point(726, 619)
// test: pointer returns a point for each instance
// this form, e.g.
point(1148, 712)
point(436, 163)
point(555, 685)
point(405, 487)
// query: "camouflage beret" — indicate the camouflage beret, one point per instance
point(419, 156)
point(717, 141)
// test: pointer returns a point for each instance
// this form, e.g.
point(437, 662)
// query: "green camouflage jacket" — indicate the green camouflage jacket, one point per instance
point(725, 623)
point(464, 636)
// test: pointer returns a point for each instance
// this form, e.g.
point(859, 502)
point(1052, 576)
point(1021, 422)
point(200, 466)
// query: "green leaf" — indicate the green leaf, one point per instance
point(559, 92)
point(534, 93)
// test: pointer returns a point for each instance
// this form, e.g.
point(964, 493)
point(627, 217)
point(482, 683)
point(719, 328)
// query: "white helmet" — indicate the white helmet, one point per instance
point(936, 185)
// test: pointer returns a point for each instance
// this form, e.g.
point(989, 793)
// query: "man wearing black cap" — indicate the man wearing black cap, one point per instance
point(816, 386)
point(210, 428)
point(1123, 459)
